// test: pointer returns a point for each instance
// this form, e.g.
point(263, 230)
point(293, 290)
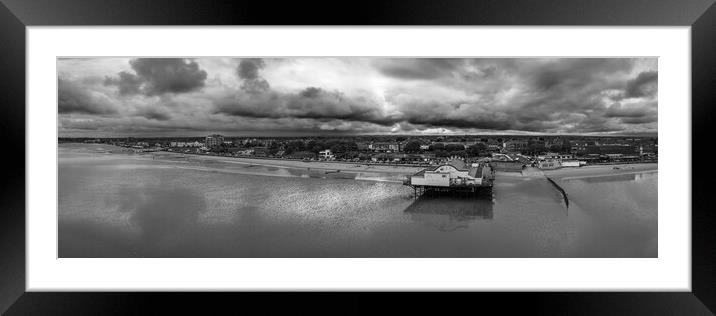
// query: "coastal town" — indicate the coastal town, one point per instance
point(504, 152)
point(357, 157)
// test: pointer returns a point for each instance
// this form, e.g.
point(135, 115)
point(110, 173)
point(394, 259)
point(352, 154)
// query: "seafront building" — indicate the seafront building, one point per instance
point(384, 146)
point(454, 176)
point(549, 164)
point(214, 140)
point(325, 154)
point(508, 165)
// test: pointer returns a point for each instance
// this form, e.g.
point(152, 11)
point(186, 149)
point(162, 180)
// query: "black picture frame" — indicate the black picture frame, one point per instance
point(15, 15)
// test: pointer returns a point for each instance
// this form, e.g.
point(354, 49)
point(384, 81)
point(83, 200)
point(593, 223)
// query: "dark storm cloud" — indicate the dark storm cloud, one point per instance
point(574, 95)
point(479, 122)
point(312, 102)
point(617, 110)
point(543, 73)
point(169, 75)
point(553, 94)
point(157, 76)
point(444, 114)
point(154, 114)
point(633, 114)
point(249, 68)
point(547, 93)
point(126, 82)
point(73, 97)
point(311, 92)
point(643, 85)
point(569, 73)
point(248, 71)
point(541, 91)
point(650, 118)
point(255, 86)
point(472, 116)
point(416, 68)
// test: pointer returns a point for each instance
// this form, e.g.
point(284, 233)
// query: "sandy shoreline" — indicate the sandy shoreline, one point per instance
point(297, 164)
point(600, 170)
point(353, 167)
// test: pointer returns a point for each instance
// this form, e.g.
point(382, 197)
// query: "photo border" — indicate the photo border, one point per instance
point(15, 15)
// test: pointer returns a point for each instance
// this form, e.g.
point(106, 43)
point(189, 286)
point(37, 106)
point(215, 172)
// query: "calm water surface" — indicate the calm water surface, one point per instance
point(118, 204)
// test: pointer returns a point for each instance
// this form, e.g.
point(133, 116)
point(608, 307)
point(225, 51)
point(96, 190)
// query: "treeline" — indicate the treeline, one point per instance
point(449, 150)
point(314, 146)
point(538, 147)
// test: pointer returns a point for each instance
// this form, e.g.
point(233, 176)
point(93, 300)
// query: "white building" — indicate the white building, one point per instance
point(454, 172)
point(548, 156)
point(549, 164)
point(572, 163)
point(325, 154)
point(245, 152)
point(384, 146)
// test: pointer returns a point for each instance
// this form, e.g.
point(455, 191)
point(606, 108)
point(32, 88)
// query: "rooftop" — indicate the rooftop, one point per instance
point(458, 164)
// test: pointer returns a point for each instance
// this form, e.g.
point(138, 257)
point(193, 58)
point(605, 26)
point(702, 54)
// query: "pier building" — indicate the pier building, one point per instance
point(454, 176)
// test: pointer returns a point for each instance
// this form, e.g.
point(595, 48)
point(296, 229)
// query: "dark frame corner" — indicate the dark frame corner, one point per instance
point(15, 15)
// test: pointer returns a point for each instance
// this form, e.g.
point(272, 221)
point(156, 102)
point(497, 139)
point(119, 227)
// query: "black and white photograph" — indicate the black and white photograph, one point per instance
point(357, 157)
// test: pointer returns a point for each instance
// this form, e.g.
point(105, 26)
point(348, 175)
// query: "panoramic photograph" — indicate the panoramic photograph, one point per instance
point(357, 157)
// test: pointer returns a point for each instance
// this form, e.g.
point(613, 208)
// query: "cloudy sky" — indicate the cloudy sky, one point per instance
point(335, 96)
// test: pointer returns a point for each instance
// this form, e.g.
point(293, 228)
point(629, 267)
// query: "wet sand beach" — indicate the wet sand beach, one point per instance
point(600, 170)
point(119, 204)
point(297, 164)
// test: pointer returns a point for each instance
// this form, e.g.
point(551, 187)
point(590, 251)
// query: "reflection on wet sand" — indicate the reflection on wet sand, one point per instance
point(636, 176)
point(432, 210)
point(162, 214)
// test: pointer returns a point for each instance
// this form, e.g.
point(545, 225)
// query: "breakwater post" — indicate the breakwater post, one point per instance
point(559, 188)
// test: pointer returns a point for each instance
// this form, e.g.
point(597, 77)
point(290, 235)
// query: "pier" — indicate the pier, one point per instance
point(454, 178)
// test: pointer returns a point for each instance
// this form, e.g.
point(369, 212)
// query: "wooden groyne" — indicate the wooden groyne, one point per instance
point(559, 188)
